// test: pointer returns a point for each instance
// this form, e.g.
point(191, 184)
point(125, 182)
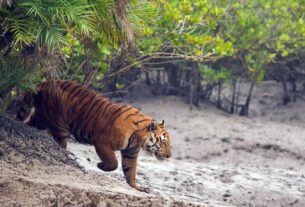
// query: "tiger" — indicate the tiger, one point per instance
point(64, 107)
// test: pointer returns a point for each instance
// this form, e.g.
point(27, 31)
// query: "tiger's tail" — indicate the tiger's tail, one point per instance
point(26, 107)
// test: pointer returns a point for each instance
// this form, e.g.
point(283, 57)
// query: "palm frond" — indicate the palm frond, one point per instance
point(51, 37)
point(36, 10)
point(75, 13)
point(141, 13)
point(20, 28)
point(46, 22)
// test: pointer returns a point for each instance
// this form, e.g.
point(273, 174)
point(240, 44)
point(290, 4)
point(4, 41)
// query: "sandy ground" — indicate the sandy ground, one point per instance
point(218, 160)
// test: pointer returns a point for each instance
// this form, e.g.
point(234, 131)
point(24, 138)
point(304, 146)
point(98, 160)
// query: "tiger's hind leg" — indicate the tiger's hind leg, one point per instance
point(60, 136)
point(107, 155)
point(37, 120)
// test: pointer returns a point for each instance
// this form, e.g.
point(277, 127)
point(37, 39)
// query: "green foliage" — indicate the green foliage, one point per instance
point(44, 23)
point(98, 51)
point(14, 76)
point(263, 32)
point(186, 30)
point(213, 76)
point(89, 34)
point(78, 33)
point(120, 86)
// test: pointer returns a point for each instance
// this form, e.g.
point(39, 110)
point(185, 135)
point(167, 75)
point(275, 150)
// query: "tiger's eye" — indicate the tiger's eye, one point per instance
point(163, 139)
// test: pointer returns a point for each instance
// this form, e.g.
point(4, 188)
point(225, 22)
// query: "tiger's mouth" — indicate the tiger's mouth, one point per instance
point(158, 154)
point(161, 156)
point(155, 153)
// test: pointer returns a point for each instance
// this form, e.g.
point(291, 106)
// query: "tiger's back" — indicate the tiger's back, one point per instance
point(71, 108)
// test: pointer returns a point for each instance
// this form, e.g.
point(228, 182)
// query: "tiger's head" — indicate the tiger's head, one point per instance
point(158, 142)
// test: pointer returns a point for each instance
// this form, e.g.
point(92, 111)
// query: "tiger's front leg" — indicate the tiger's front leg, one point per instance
point(129, 165)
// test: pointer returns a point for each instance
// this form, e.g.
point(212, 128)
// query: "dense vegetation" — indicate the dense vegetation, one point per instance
point(190, 48)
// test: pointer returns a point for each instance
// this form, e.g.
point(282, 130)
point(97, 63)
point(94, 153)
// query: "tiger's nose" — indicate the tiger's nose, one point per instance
point(168, 155)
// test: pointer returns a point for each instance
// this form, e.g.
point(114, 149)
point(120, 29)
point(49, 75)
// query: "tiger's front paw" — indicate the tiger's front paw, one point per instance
point(107, 166)
point(143, 189)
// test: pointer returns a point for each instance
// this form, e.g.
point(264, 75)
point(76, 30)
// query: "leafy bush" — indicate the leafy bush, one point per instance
point(13, 76)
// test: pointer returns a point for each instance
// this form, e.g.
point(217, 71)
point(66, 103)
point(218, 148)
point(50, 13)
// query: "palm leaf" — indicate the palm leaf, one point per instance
point(21, 30)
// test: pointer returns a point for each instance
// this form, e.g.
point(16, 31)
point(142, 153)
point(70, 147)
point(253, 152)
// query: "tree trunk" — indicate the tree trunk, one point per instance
point(147, 79)
point(174, 78)
point(232, 111)
point(245, 109)
point(191, 90)
point(283, 77)
point(293, 81)
point(219, 95)
point(194, 84)
point(286, 98)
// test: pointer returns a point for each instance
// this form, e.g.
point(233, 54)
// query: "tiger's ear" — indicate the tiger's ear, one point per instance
point(162, 123)
point(153, 125)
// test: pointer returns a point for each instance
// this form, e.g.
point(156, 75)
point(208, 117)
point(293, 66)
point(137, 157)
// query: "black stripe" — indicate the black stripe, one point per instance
point(84, 92)
point(65, 85)
point(82, 95)
point(85, 104)
point(141, 121)
point(80, 100)
point(118, 115)
point(87, 116)
point(68, 88)
point(90, 116)
point(79, 112)
point(74, 88)
point(72, 91)
point(100, 107)
point(69, 99)
point(114, 113)
point(155, 144)
point(135, 114)
point(105, 109)
point(117, 110)
point(126, 168)
point(90, 109)
point(133, 156)
point(77, 93)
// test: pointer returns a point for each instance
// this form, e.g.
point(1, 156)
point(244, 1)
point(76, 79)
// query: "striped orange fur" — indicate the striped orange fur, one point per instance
point(64, 108)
